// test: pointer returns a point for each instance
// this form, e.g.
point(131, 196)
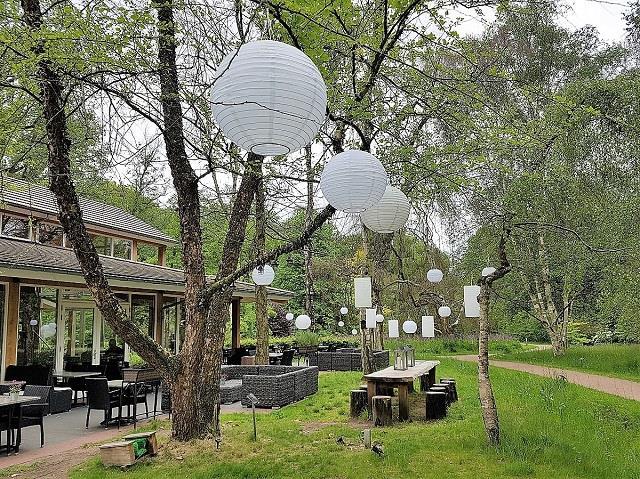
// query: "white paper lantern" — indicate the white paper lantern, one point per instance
point(471, 305)
point(289, 316)
point(428, 327)
point(353, 181)
point(33, 322)
point(370, 318)
point(46, 331)
point(269, 98)
point(341, 323)
point(344, 310)
point(362, 292)
point(379, 318)
point(394, 332)
point(303, 322)
point(444, 311)
point(263, 275)
point(434, 275)
point(389, 214)
point(488, 270)
point(354, 331)
point(409, 327)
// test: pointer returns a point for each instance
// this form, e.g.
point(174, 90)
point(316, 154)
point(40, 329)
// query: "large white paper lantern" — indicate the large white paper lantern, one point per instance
point(444, 311)
point(434, 275)
point(471, 305)
point(370, 318)
point(33, 322)
point(362, 292)
point(379, 318)
point(394, 332)
point(344, 310)
point(353, 181)
point(263, 275)
point(409, 327)
point(488, 270)
point(289, 316)
point(303, 322)
point(389, 214)
point(269, 98)
point(428, 327)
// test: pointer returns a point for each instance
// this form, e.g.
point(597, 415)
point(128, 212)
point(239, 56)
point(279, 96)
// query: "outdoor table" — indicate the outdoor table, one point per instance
point(274, 358)
point(5, 385)
point(403, 380)
point(9, 403)
point(74, 374)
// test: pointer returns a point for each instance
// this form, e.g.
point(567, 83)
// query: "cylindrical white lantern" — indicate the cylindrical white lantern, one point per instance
point(394, 332)
point(370, 318)
point(379, 318)
point(303, 322)
point(488, 270)
point(289, 316)
point(434, 275)
point(362, 292)
point(409, 327)
point(389, 214)
point(444, 311)
point(354, 331)
point(344, 310)
point(428, 327)
point(33, 322)
point(341, 323)
point(263, 275)
point(269, 98)
point(353, 181)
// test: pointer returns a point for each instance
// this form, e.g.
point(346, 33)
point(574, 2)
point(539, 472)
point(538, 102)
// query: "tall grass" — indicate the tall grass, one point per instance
point(446, 346)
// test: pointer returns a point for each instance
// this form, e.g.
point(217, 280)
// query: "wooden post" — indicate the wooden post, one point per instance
point(134, 250)
point(382, 412)
point(358, 402)
point(235, 323)
point(13, 317)
point(162, 255)
point(403, 402)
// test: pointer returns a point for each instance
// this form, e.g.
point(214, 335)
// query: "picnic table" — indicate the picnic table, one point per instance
point(9, 403)
point(403, 380)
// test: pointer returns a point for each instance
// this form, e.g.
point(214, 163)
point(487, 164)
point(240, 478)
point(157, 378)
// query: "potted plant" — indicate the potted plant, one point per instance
point(14, 390)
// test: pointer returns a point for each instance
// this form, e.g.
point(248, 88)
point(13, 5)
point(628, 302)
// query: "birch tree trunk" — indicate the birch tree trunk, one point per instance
point(308, 248)
point(262, 321)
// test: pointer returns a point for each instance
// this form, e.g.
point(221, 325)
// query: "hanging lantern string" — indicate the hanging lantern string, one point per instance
point(267, 25)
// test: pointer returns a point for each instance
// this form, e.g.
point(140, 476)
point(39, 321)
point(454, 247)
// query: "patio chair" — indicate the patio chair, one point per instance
point(100, 397)
point(33, 414)
point(287, 357)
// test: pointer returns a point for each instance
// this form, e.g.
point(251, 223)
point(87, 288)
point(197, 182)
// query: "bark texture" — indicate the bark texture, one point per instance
point(308, 248)
point(262, 321)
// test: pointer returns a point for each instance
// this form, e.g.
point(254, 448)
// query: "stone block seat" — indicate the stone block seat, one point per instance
point(274, 386)
point(346, 359)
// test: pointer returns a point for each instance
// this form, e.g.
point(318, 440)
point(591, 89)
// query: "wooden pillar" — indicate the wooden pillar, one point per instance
point(157, 329)
point(162, 256)
point(13, 317)
point(134, 250)
point(235, 323)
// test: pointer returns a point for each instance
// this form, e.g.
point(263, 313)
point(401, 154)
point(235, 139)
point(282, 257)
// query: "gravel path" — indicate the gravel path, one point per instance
point(618, 387)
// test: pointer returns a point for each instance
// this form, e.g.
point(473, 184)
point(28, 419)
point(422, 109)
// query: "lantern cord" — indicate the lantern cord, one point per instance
point(268, 21)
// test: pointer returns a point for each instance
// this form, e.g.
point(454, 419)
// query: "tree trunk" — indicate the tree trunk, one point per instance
point(262, 321)
point(308, 248)
point(487, 400)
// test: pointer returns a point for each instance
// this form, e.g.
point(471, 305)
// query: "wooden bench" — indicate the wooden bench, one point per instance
point(122, 453)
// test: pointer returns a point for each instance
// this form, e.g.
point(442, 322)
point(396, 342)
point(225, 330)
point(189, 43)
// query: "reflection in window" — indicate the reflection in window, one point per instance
point(102, 244)
point(50, 234)
point(15, 227)
point(143, 312)
point(121, 248)
point(36, 326)
point(170, 317)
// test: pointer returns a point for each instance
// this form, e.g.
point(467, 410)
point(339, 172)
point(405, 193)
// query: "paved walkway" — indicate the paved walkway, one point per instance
point(618, 387)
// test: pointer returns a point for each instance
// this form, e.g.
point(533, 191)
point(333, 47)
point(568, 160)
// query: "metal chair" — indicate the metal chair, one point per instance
point(100, 397)
point(33, 414)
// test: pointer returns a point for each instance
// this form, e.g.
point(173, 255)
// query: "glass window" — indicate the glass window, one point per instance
point(102, 244)
point(78, 335)
point(16, 227)
point(147, 253)
point(50, 234)
point(170, 324)
point(121, 248)
point(37, 326)
point(143, 312)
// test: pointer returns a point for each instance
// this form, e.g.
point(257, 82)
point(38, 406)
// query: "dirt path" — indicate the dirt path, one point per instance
point(618, 387)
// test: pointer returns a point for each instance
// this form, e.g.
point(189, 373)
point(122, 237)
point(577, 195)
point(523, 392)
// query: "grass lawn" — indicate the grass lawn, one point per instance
point(551, 429)
point(617, 360)
point(450, 347)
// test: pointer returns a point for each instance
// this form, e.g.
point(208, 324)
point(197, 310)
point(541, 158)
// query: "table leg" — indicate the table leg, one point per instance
point(371, 391)
point(155, 400)
point(403, 402)
point(432, 376)
point(424, 383)
point(19, 434)
point(9, 430)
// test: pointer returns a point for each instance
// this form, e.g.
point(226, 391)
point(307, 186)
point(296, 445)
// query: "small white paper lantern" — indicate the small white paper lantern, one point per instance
point(33, 322)
point(46, 331)
point(344, 310)
point(370, 318)
point(353, 181)
point(263, 275)
point(394, 331)
point(487, 271)
point(341, 323)
point(362, 292)
point(409, 327)
point(428, 327)
point(379, 318)
point(434, 275)
point(303, 322)
point(269, 98)
point(354, 331)
point(444, 311)
point(471, 305)
point(289, 316)
point(389, 214)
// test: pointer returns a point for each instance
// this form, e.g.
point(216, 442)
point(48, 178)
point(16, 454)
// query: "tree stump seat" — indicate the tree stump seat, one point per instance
point(382, 411)
point(358, 402)
point(443, 389)
point(436, 405)
point(452, 386)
